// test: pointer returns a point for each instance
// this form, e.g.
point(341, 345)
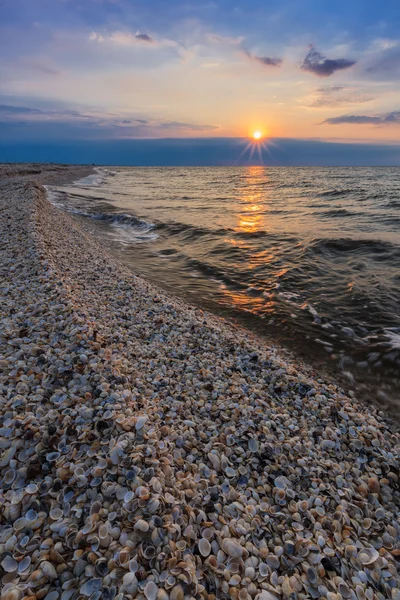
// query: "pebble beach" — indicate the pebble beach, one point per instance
point(151, 450)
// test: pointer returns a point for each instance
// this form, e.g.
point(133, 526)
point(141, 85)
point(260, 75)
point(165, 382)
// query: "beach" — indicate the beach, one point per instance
point(149, 449)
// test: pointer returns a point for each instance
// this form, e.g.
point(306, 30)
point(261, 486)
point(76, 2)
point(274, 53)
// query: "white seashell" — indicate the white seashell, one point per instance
point(9, 564)
point(140, 423)
point(232, 548)
point(204, 547)
point(367, 556)
point(151, 590)
point(141, 525)
point(32, 488)
point(253, 445)
point(129, 579)
point(265, 595)
point(215, 461)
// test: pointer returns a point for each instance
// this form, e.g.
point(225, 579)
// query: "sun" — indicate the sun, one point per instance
point(257, 135)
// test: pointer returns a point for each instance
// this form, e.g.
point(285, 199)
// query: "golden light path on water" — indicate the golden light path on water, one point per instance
point(251, 219)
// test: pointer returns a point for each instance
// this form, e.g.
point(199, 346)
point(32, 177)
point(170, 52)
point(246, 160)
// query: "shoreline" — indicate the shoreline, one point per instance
point(152, 450)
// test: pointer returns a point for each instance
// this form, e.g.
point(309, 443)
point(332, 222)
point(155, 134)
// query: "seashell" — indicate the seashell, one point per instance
point(56, 514)
point(31, 515)
point(149, 552)
point(9, 476)
point(344, 590)
point(11, 594)
point(54, 595)
point(101, 567)
point(367, 556)
point(312, 575)
point(48, 570)
point(214, 460)
point(24, 564)
point(263, 569)
point(177, 593)
point(232, 548)
point(90, 587)
point(20, 523)
point(170, 582)
point(253, 445)
point(204, 547)
point(32, 488)
point(273, 561)
point(266, 595)
point(151, 591)
point(140, 423)
point(350, 551)
point(9, 564)
point(129, 579)
point(53, 456)
point(250, 573)
point(360, 592)
point(141, 525)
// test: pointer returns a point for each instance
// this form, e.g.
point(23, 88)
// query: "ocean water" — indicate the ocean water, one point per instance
point(309, 257)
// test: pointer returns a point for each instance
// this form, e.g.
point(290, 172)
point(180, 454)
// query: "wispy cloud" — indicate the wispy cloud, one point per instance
point(127, 38)
point(267, 61)
point(93, 124)
point(319, 65)
point(384, 63)
point(338, 95)
point(392, 118)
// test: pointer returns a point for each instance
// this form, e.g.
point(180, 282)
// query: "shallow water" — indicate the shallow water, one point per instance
point(310, 256)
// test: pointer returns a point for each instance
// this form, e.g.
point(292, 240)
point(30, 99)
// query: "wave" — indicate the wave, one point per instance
point(378, 249)
point(336, 212)
point(336, 192)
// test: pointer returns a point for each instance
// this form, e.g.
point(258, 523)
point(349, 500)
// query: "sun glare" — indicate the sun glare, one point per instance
point(257, 135)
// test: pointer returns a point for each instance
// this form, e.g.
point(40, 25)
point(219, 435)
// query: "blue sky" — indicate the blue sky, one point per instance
point(107, 70)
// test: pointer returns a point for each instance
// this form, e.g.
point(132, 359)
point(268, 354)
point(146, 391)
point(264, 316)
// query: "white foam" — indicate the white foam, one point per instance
point(394, 337)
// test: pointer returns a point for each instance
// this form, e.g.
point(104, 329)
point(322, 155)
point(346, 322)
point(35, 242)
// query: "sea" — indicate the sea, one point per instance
point(308, 258)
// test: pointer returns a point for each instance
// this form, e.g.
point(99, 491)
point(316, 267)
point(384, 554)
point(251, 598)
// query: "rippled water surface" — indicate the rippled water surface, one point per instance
point(308, 255)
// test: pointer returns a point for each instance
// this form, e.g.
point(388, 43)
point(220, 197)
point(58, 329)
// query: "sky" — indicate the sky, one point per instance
point(112, 72)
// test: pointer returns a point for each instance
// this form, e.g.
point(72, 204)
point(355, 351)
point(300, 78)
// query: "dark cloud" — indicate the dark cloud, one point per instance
point(267, 61)
point(392, 118)
point(319, 65)
point(143, 37)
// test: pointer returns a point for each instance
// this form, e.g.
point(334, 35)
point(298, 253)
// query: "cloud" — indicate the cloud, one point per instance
point(385, 65)
point(127, 38)
point(267, 61)
point(319, 65)
point(143, 37)
point(48, 124)
point(338, 95)
point(392, 118)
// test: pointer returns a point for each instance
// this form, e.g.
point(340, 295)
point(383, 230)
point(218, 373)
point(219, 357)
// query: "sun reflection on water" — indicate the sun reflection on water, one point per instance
point(252, 219)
